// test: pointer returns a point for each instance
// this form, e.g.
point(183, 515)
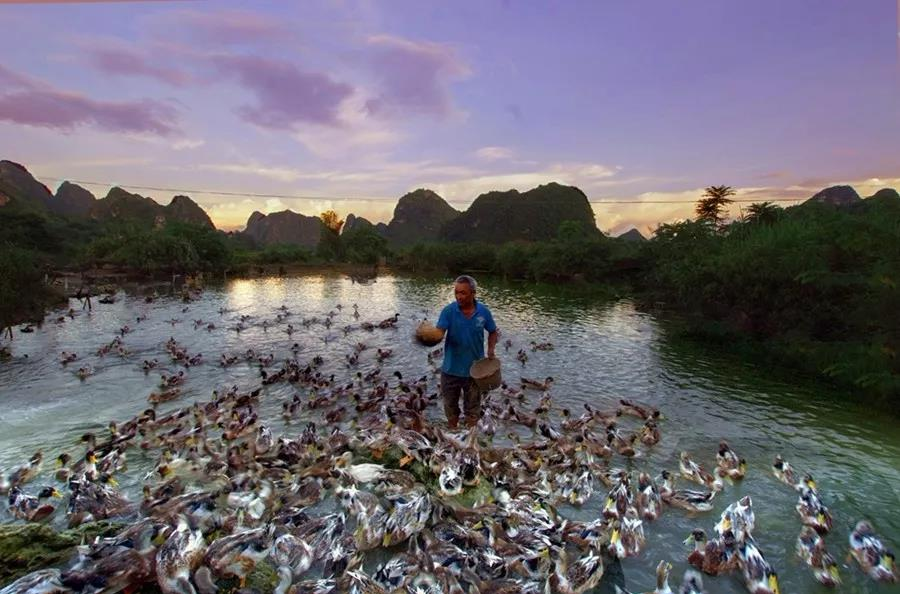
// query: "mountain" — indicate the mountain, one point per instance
point(284, 227)
point(498, 217)
point(836, 195)
point(632, 235)
point(122, 205)
point(19, 188)
point(354, 222)
point(185, 210)
point(72, 200)
point(419, 216)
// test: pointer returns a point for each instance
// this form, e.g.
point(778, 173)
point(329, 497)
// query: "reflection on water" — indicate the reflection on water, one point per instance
point(604, 351)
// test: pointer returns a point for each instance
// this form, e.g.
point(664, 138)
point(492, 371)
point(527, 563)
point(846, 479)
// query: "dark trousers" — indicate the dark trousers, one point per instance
point(452, 387)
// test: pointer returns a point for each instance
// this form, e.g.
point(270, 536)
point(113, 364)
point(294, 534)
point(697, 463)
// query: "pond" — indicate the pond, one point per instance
point(603, 350)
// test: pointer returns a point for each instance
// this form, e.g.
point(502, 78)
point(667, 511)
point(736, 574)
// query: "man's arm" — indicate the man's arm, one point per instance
point(492, 342)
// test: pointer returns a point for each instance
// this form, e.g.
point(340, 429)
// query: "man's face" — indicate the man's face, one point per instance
point(464, 295)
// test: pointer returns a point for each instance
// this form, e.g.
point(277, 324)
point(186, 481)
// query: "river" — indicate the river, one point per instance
point(603, 351)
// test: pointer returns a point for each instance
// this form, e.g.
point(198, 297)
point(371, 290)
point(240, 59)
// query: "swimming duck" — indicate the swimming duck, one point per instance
point(728, 463)
point(812, 511)
point(23, 474)
point(873, 557)
point(783, 472)
point(759, 576)
point(293, 553)
point(663, 569)
point(811, 548)
point(581, 576)
point(687, 499)
point(692, 583)
point(649, 433)
point(537, 384)
point(713, 557)
point(177, 559)
point(626, 537)
point(642, 411)
point(695, 472)
point(29, 507)
point(649, 501)
point(66, 358)
point(236, 555)
point(738, 517)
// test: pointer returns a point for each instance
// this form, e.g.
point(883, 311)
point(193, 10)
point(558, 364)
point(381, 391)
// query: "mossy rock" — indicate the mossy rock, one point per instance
point(28, 547)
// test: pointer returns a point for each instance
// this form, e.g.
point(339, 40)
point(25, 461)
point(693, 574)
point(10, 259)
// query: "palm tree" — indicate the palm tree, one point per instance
point(763, 212)
point(711, 205)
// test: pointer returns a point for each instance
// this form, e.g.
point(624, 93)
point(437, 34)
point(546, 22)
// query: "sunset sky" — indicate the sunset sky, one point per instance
point(349, 104)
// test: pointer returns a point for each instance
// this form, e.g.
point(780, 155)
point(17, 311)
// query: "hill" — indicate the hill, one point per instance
point(499, 217)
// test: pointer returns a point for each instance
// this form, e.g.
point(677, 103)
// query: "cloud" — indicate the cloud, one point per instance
point(494, 153)
point(583, 175)
point(120, 60)
point(285, 94)
point(219, 27)
point(413, 76)
point(34, 103)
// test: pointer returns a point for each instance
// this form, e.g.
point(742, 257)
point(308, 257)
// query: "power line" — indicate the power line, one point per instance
point(363, 198)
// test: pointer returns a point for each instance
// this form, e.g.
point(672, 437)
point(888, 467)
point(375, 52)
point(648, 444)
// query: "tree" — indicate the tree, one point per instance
point(364, 245)
point(763, 212)
point(711, 206)
point(332, 221)
point(23, 294)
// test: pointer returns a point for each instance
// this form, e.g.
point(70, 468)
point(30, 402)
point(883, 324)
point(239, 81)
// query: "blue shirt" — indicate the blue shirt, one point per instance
point(464, 343)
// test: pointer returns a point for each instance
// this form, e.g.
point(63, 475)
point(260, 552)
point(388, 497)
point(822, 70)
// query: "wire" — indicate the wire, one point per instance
point(363, 198)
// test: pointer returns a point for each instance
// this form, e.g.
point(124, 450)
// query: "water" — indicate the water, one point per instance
point(604, 350)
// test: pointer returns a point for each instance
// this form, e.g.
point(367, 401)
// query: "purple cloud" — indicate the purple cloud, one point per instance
point(124, 61)
point(34, 103)
point(285, 94)
point(224, 27)
point(413, 76)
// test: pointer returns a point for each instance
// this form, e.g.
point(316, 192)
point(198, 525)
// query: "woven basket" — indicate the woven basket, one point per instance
point(486, 373)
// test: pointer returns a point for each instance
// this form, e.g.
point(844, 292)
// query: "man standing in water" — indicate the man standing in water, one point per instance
point(463, 324)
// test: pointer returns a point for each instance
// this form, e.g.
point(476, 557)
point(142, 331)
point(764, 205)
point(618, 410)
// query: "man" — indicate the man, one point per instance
point(463, 324)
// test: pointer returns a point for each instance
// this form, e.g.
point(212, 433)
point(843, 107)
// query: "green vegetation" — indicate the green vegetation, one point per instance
point(813, 288)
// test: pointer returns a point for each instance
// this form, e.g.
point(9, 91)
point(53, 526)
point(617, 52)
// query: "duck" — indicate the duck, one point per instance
point(581, 576)
point(626, 538)
point(811, 548)
point(728, 463)
point(66, 358)
point(873, 557)
point(759, 576)
point(42, 581)
point(649, 501)
point(687, 499)
point(32, 508)
point(23, 474)
point(812, 511)
point(695, 472)
point(537, 384)
point(644, 412)
point(178, 557)
point(649, 433)
point(783, 471)
point(737, 517)
point(692, 583)
point(663, 568)
point(236, 555)
point(713, 557)
point(292, 553)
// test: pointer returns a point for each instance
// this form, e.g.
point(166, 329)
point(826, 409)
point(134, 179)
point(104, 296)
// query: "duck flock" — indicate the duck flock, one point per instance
point(366, 490)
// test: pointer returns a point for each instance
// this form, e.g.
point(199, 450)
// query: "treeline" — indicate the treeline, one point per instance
point(812, 288)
